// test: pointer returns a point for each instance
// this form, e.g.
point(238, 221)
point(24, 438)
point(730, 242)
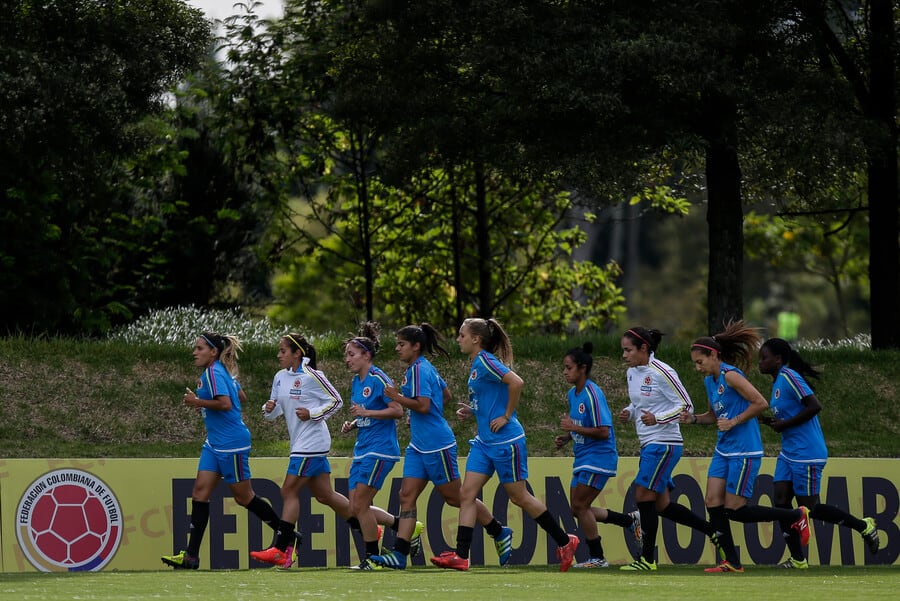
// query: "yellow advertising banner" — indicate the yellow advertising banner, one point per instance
point(123, 514)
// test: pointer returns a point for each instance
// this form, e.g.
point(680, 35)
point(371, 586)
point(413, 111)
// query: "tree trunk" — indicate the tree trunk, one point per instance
point(724, 216)
point(365, 233)
point(456, 245)
point(876, 97)
point(483, 246)
point(884, 200)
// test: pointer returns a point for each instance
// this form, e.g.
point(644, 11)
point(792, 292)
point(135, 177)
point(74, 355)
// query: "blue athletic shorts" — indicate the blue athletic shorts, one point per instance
point(439, 467)
point(509, 460)
point(739, 473)
point(307, 467)
point(370, 471)
point(806, 478)
point(656, 465)
point(233, 467)
point(592, 479)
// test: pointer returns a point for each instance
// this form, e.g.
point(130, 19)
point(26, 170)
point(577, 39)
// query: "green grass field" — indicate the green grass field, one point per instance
point(427, 584)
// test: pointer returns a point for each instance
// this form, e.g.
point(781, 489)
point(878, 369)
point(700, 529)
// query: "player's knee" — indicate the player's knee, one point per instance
point(578, 508)
point(242, 499)
point(451, 498)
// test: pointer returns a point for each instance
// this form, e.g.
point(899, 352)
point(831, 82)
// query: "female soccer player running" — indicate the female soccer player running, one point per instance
point(801, 462)
point(306, 399)
point(734, 405)
point(657, 401)
point(589, 423)
point(431, 454)
point(376, 449)
point(494, 392)
point(226, 451)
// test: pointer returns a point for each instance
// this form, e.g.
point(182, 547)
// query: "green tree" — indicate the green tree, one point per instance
point(76, 81)
point(833, 250)
point(859, 45)
point(339, 125)
point(430, 266)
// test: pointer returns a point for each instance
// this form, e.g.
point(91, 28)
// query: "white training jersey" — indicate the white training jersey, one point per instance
point(310, 389)
point(656, 388)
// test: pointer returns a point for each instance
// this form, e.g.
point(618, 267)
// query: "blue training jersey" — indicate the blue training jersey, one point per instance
point(375, 437)
point(225, 430)
point(429, 431)
point(488, 396)
point(744, 440)
point(589, 408)
point(804, 443)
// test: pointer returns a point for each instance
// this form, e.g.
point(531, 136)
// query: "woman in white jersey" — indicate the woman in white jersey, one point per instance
point(304, 396)
point(657, 401)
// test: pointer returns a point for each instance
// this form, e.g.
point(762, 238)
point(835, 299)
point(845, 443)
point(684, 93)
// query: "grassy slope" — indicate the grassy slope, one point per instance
point(64, 398)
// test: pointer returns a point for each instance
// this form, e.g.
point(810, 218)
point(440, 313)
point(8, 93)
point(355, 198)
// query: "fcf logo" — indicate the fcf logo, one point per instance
point(68, 520)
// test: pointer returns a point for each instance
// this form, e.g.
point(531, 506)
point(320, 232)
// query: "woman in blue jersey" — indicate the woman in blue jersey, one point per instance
point(431, 454)
point(306, 399)
point(376, 449)
point(734, 405)
point(589, 423)
point(658, 399)
point(226, 451)
point(494, 393)
point(798, 472)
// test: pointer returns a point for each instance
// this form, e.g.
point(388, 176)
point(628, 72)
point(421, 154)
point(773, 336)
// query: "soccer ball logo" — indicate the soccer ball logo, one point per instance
point(69, 520)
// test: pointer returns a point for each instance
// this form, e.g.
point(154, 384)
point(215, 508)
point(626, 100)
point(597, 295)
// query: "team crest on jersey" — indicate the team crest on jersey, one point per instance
point(648, 380)
point(721, 389)
point(367, 391)
point(473, 375)
point(403, 383)
point(580, 407)
point(777, 394)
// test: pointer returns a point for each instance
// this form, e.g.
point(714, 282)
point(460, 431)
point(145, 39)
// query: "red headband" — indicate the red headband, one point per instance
point(647, 342)
point(693, 346)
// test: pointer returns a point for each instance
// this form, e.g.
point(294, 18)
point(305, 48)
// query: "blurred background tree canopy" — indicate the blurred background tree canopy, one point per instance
point(560, 166)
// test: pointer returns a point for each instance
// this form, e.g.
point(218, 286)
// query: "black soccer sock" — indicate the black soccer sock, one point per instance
point(649, 526)
point(836, 515)
point(401, 545)
point(595, 547)
point(551, 527)
point(719, 521)
point(199, 520)
point(494, 528)
point(619, 519)
point(464, 541)
point(756, 513)
point(791, 537)
point(354, 523)
point(682, 515)
point(264, 511)
point(396, 523)
point(371, 547)
point(284, 535)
